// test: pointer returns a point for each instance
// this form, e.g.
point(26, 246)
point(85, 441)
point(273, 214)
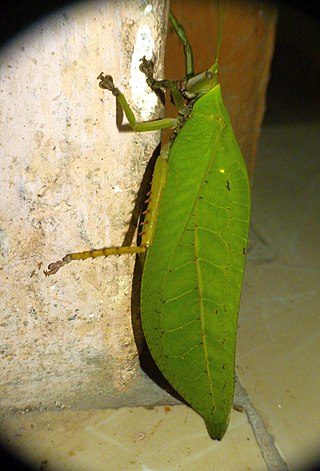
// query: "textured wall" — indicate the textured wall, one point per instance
point(68, 182)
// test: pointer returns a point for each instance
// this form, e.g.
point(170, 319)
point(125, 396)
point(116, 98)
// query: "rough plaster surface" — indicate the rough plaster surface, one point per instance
point(68, 183)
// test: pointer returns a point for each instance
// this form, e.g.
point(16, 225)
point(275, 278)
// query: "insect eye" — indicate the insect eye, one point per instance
point(209, 74)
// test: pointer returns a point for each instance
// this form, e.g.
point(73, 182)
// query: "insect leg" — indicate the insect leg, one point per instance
point(147, 68)
point(188, 55)
point(106, 82)
point(159, 178)
point(148, 225)
point(104, 252)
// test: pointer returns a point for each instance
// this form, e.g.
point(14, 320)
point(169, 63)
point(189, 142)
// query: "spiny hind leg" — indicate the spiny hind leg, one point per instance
point(147, 229)
point(104, 252)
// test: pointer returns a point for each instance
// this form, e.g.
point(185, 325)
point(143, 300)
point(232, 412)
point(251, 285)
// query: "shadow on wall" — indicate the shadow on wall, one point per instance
point(17, 15)
point(293, 91)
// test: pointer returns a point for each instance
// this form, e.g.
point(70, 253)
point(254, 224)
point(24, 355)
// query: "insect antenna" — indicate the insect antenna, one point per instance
point(220, 15)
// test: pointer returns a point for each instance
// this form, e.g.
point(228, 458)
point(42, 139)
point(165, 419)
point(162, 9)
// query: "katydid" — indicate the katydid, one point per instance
point(194, 240)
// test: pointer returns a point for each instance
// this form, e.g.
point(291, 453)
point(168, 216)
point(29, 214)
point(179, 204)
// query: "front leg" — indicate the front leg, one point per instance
point(106, 82)
point(147, 68)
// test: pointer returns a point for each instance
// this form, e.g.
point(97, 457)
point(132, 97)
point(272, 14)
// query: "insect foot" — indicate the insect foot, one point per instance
point(55, 266)
point(147, 67)
point(106, 82)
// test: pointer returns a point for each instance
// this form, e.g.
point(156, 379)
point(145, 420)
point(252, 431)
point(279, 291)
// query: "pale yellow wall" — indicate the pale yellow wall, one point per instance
point(68, 182)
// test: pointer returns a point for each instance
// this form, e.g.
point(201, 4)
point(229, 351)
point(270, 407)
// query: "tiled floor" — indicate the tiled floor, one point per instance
point(278, 351)
point(163, 438)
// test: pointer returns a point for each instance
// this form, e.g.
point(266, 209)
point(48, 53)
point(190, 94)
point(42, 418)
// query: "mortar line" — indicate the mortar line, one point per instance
point(264, 439)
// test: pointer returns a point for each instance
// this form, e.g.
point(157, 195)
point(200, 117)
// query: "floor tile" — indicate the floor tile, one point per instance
point(163, 438)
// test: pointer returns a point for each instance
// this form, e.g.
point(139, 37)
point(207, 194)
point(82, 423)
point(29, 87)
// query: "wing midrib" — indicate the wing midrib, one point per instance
point(193, 214)
point(216, 139)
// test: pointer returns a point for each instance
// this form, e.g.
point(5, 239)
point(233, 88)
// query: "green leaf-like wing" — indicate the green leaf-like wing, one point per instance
point(194, 268)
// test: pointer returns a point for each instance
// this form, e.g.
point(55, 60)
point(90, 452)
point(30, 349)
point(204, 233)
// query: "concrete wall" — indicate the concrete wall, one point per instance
point(68, 183)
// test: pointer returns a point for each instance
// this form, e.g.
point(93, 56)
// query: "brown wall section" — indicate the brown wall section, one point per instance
point(245, 58)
